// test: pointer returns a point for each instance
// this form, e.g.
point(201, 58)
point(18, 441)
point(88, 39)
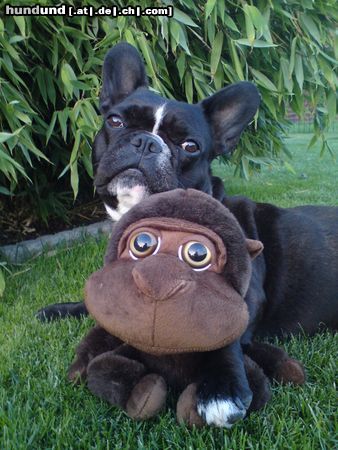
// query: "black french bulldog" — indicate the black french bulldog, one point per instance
point(149, 144)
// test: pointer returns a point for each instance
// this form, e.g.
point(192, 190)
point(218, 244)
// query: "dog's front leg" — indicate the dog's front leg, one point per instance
point(224, 395)
point(61, 311)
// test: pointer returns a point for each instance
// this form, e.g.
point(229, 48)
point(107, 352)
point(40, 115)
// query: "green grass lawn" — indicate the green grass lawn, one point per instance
point(39, 409)
point(315, 180)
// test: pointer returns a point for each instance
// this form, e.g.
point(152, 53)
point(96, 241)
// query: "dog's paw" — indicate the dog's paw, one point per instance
point(61, 311)
point(223, 412)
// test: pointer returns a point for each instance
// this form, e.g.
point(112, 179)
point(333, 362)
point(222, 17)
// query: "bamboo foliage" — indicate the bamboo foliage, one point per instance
point(50, 77)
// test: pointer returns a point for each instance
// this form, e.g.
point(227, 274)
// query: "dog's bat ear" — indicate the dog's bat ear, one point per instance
point(123, 72)
point(228, 112)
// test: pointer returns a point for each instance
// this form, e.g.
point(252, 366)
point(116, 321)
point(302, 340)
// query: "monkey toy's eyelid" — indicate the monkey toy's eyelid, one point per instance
point(115, 121)
point(152, 250)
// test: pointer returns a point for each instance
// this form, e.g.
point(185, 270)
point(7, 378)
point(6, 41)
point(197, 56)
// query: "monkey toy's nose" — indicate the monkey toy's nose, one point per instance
point(162, 276)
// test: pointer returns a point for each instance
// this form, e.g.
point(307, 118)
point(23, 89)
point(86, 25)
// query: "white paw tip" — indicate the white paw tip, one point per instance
point(221, 413)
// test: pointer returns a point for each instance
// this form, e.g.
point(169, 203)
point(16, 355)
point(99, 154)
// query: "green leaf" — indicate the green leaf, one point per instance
point(74, 179)
point(289, 167)
point(182, 41)
point(255, 43)
point(332, 105)
point(2, 283)
point(245, 168)
point(292, 56)
point(235, 60)
point(299, 71)
point(310, 26)
point(129, 37)
point(175, 30)
point(15, 39)
point(23, 117)
point(4, 136)
point(50, 87)
point(219, 77)
point(188, 87)
point(230, 23)
point(42, 84)
point(313, 140)
point(75, 150)
point(250, 29)
point(181, 65)
point(182, 17)
point(256, 18)
point(4, 191)
point(10, 49)
point(51, 126)
point(270, 103)
point(263, 80)
point(55, 53)
point(146, 51)
point(209, 7)
point(74, 174)
point(20, 21)
point(68, 75)
point(13, 163)
point(63, 117)
point(26, 140)
point(328, 72)
point(285, 71)
point(216, 52)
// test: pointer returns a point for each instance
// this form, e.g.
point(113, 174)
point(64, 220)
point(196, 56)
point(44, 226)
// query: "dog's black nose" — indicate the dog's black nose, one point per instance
point(147, 144)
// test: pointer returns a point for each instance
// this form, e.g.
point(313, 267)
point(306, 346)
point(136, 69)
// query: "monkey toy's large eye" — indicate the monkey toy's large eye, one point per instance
point(196, 254)
point(143, 244)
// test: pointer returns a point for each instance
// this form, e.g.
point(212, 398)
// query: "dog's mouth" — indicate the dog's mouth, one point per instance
point(126, 179)
point(129, 187)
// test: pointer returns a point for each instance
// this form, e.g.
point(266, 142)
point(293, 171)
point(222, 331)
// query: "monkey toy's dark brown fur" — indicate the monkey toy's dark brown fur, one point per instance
point(119, 374)
point(134, 369)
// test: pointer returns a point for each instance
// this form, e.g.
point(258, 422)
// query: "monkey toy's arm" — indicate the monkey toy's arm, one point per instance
point(114, 374)
point(96, 342)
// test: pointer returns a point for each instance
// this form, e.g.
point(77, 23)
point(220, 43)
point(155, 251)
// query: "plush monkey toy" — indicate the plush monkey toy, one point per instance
point(170, 294)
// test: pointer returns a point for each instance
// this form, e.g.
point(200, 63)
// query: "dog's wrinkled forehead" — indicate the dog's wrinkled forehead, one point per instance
point(147, 110)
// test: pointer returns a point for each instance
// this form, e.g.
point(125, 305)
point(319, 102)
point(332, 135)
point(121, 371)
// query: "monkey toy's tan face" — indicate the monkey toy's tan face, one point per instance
point(166, 292)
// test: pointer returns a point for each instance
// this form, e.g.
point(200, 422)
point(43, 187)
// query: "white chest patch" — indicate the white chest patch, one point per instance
point(221, 413)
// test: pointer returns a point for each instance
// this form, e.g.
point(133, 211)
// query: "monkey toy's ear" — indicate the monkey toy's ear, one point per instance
point(254, 247)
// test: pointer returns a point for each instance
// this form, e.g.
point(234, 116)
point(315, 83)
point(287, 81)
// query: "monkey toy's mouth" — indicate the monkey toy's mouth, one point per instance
point(197, 314)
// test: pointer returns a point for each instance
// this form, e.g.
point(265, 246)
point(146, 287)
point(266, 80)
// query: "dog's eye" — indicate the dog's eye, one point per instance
point(143, 244)
point(190, 146)
point(115, 121)
point(196, 254)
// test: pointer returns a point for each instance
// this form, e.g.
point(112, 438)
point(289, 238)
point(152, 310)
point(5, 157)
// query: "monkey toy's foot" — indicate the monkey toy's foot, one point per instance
point(186, 409)
point(276, 363)
point(147, 398)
